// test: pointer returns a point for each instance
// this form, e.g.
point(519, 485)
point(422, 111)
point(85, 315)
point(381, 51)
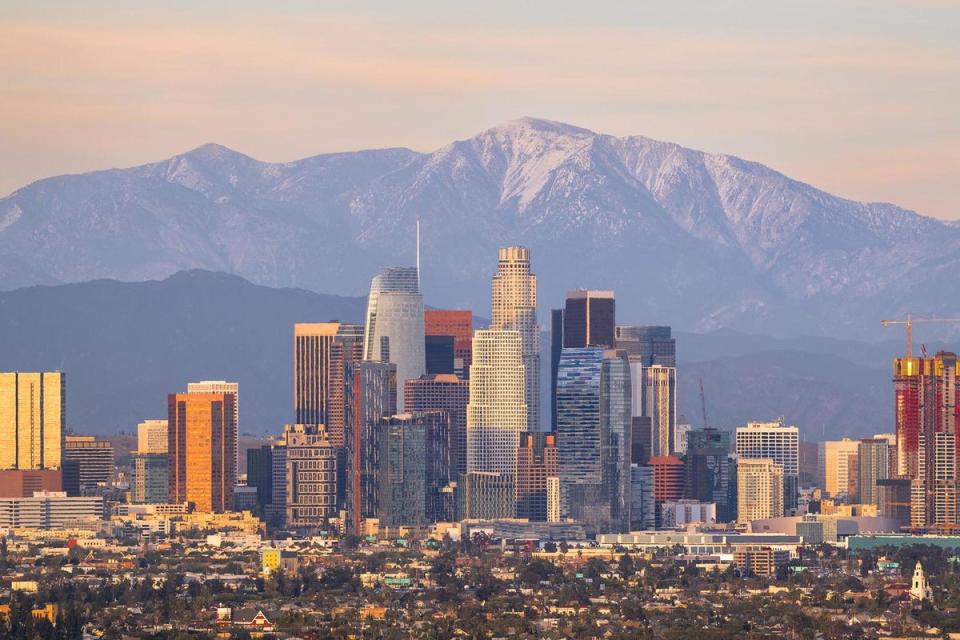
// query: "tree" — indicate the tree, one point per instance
point(626, 566)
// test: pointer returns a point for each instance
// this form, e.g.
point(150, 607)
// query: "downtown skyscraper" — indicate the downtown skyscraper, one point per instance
point(594, 436)
point(395, 326)
point(925, 414)
point(514, 308)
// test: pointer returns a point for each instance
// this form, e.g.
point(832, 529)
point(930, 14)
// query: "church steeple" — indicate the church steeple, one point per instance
point(918, 588)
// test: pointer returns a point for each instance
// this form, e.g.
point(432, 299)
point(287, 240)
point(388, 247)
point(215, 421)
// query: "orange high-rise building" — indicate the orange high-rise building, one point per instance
point(202, 435)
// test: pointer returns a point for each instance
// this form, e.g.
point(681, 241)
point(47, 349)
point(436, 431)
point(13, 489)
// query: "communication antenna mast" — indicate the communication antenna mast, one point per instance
point(418, 253)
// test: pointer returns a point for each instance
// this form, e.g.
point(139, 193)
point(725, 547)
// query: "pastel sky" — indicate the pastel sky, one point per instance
point(859, 97)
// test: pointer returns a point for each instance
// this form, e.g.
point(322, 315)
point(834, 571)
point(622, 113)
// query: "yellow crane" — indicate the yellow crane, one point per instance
point(909, 321)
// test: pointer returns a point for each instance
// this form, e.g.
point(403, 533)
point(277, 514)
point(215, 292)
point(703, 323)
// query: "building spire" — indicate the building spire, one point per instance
point(418, 254)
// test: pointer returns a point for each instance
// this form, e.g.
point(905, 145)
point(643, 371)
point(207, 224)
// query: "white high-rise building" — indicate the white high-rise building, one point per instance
point(759, 489)
point(152, 436)
point(780, 443)
point(514, 308)
point(394, 327)
point(496, 413)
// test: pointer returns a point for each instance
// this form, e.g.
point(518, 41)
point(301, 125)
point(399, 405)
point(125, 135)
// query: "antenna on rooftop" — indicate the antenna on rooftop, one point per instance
point(418, 254)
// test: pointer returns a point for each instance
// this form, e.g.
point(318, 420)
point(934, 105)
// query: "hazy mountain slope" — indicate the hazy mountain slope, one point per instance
point(696, 240)
point(125, 346)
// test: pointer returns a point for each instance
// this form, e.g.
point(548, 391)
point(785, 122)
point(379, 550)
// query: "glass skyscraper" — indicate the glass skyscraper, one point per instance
point(594, 436)
point(394, 325)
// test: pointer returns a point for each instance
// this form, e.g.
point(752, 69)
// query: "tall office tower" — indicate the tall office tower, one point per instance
point(413, 468)
point(496, 413)
point(556, 348)
point(312, 351)
point(439, 354)
point(151, 480)
point(496, 416)
point(759, 489)
point(457, 323)
point(450, 394)
point(839, 461)
point(594, 430)
point(641, 439)
point(667, 481)
point(514, 308)
point(394, 329)
point(222, 386)
point(32, 420)
point(643, 510)
point(94, 460)
point(873, 465)
point(267, 471)
point(589, 318)
point(659, 395)
point(708, 438)
point(201, 438)
point(537, 462)
point(371, 394)
point(650, 345)
point(710, 476)
point(311, 482)
point(780, 443)
point(347, 347)
point(926, 423)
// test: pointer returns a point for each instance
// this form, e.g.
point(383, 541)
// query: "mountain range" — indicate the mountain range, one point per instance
point(124, 346)
point(697, 240)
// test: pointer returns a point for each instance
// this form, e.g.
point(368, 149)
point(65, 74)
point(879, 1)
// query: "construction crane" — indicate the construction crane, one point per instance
point(909, 321)
point(703, 404)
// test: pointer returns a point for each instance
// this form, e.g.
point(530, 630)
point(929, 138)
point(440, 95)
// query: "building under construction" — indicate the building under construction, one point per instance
point(926, 427)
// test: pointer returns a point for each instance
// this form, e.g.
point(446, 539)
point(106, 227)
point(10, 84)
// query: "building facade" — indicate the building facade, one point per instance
point(759, 489)
point(201, 443)
point(371, 395)
point(414, 469)
point(94, 461)
point(594, 429)
point(658, 386)
point(839, 465)
point(32, 420)
point(395, 326)
point(537, 463)
point(650, 345)
point(311, 480)
point(457, 323)
point(514, 308)
point(780, 443)
point(450, 394)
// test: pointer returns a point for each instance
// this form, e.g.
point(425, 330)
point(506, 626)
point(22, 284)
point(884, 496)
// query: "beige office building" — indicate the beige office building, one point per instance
point(32, 420)
point(840, 466)
point(152, 436)
point(759, 489)
point(514, 308)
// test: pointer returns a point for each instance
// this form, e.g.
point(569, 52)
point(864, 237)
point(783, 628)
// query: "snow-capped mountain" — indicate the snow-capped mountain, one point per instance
point(684, 237)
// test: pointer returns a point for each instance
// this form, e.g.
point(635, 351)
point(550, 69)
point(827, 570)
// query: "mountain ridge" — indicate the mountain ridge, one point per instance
point(689, 238)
